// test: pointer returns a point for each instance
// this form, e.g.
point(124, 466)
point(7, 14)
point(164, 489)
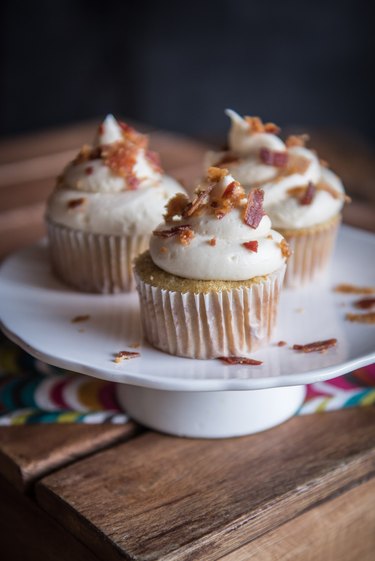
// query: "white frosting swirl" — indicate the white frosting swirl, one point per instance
point(284, 210)
point(228, 259)
point(92, 198)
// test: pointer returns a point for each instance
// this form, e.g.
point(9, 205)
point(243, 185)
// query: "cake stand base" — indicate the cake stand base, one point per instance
point(220, 414)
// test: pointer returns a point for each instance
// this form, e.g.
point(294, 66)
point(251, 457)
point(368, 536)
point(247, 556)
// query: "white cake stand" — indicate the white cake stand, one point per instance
point(198, 398)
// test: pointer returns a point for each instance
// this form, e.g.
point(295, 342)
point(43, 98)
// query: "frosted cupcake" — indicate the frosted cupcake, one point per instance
point(106, 204)
point(302, 197)
point(210, 283)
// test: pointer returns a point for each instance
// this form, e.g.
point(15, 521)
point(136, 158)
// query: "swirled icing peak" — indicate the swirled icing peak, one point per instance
point(220, 234)
point(298, 190)
point(118, 160)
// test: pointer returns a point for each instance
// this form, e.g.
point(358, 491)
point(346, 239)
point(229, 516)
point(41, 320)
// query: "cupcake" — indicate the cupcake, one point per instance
point(301, 196)
point(105, 205)
point(209, 284)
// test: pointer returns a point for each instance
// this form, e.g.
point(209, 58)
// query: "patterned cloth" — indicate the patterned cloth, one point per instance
point(31, 392)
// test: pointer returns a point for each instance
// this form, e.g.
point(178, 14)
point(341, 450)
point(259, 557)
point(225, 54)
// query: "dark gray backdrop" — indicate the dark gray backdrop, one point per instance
point(178, 64)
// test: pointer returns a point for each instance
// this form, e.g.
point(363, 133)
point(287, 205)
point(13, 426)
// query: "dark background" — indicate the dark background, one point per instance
point(177, 65)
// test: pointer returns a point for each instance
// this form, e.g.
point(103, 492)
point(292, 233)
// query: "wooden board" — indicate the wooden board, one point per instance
point(157, 497)
point(29, 534)
point(30, 451)
point(342, 529)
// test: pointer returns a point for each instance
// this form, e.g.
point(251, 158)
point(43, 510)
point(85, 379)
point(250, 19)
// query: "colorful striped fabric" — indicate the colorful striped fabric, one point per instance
point(31, 392)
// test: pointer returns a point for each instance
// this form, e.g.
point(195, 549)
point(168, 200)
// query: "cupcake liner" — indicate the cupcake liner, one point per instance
point(208, 325)
point(312, 250)
point(94, 262)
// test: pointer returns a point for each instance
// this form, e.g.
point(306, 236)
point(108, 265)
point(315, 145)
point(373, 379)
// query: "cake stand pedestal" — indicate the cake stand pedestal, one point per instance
point(217, 414)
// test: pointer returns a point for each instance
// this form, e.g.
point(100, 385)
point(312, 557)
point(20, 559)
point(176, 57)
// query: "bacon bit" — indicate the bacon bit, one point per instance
point(133, 182)
point(227, 159)
point(89, 170)
point(199, 200)
point(254, 209)
point(361, 318)
point(281, 343)
point(364, 303)
point(252, 246)
point(230, 189)
point(78, 319)
point(273, 157)
point(212, 242)
point(351, 289)
point(163, 249)
point(309, 194)
point(133, 136)
point(125, 355)
point(316, 346)
point(285, 249)
point(176, 206)
point(256, 125)
point(240, 360)
point(120, 157)
point(297, 140)
point(154, 159)
point(73, 203)
point(186, 236)
point(172, 232)
point(216, 174)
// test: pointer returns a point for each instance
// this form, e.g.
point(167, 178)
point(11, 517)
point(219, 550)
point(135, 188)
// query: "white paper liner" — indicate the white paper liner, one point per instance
point(228, 323)
point(311, 255)
point(94, 262)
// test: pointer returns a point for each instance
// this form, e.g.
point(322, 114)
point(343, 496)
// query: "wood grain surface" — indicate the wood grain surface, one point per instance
point(30, 451)
point(27, 533)
point(157, 497)
point(342, 529)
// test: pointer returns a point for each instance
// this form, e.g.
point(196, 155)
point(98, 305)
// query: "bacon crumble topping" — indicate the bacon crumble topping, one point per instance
point(281, 343)
point(369, 317)
point(184, 231)
point(74, 203)
point(176, 206)
point(352, 289)
point(285, 249)
point(78, 319)
point(254, 209)
point(125, 355)
point(256, 125)
point(89, 170)
point(316, 346)
point(309, 194)
point(251, 246)
point(240, 360)
point(212, 242)
point(364, 303)
point(273, 157)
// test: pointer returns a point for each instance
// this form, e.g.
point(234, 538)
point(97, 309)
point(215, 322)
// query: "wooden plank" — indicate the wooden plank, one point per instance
point(342, 529)
point(157, 497)
point(29, 452)
point(28, 533)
